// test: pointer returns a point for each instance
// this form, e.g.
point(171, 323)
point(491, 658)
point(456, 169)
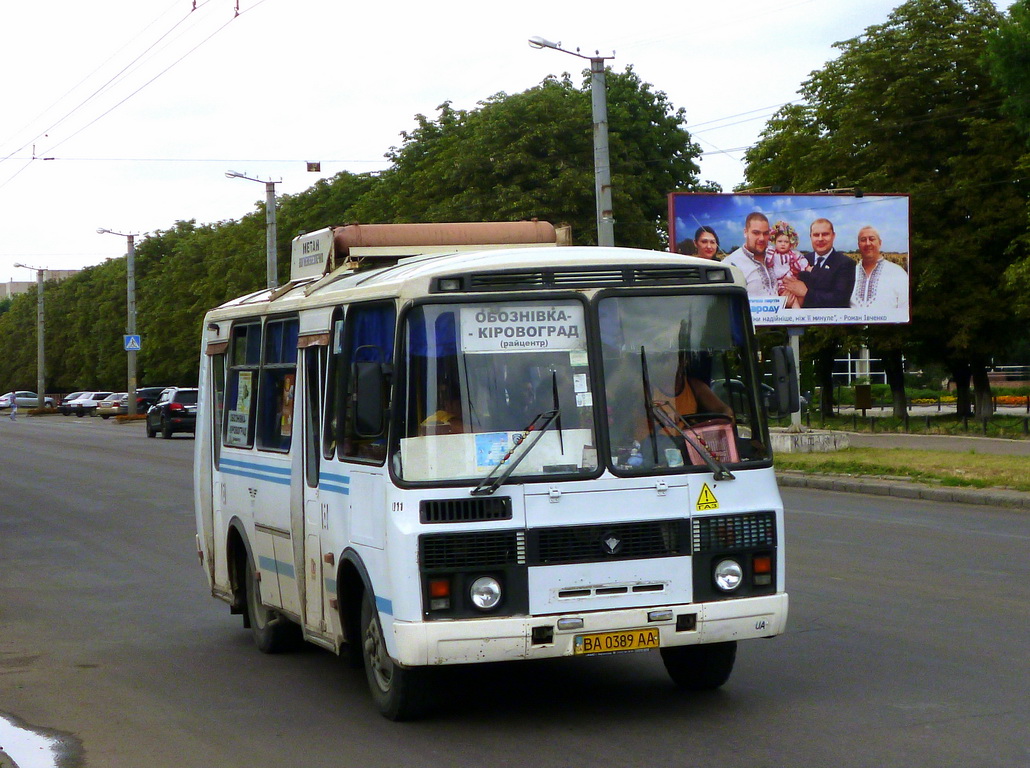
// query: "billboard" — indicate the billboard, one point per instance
point(808, 259)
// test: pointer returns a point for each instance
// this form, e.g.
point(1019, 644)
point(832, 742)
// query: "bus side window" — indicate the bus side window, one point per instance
point(335, 387)
point(278, 385)
point(217, 403)
point(369, 340)
point(240, 394)
point(314, 365)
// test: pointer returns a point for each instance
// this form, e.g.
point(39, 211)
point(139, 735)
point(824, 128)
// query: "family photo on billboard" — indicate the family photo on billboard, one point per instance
point(807, 259)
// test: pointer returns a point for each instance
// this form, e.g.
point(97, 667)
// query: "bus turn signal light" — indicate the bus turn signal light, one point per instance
point(761, 567)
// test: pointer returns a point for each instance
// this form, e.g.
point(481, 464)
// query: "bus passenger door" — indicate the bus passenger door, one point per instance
point(316, 510)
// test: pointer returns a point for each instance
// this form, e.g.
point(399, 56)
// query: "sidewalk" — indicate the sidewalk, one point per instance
point(907, 489)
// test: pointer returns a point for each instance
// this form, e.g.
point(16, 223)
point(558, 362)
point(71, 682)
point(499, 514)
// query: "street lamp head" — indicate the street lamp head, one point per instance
point(102, 231)
point(233, 175)
point(541, 42)
point(20, 265)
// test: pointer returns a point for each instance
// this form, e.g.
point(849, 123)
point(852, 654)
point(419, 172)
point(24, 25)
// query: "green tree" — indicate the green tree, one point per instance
point(1008, 55)
point(530, 155)
point(909, 106)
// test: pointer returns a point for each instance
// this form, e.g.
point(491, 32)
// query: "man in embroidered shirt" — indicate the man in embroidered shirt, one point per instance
point(750, 258)
point(832, 278)
point(879, 284)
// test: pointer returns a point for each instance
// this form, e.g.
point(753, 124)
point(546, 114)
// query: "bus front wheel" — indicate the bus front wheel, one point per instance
point(700, 667)
point(398, 692)
point(272, 633)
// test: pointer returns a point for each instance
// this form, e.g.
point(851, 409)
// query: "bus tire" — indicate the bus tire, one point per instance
point(272, 632)
point(398, 692)
point(700, 667)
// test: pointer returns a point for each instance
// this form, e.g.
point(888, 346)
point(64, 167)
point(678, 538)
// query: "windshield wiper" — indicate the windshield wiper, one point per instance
point(656, 411)
point(537, 427)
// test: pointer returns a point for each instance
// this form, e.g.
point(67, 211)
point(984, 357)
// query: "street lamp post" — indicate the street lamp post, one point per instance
point(271, 261)
point(40, 335)
point(602, 163)
point(130, 330)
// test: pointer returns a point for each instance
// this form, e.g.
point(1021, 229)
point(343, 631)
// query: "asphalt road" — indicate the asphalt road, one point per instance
point(907, 643)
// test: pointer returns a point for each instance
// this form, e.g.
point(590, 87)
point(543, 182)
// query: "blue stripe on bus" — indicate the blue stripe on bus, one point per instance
point(255, 465)
point(384, 605)
point(334, 483)
point(276, 566)
point(333, 488)
point(278, 475)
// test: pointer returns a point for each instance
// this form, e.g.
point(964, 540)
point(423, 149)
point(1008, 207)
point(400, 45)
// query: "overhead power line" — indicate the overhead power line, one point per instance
point(134, 64)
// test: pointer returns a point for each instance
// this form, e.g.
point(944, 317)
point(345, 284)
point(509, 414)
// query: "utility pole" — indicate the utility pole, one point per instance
point(130, 323)
point(602, 161)
point(271, 260)
point(40, 336)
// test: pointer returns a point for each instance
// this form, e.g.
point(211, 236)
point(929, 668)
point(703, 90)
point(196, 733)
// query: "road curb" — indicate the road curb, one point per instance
point(992, 497)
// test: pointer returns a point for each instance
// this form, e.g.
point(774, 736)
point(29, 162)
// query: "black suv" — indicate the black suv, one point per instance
point(147, 396)
point(175, 411)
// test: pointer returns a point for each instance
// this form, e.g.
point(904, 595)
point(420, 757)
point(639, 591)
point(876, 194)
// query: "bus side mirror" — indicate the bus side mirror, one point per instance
point(369, 388)
point(785, 381)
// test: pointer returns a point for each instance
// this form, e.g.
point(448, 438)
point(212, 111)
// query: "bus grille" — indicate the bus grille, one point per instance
point(465, 510)
point(725, 532)
point(598, 543)
point(573, 277)
point(460, 551)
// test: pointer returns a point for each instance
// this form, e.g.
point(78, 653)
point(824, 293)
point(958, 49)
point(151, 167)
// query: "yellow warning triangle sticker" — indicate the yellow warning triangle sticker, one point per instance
point(706, 499)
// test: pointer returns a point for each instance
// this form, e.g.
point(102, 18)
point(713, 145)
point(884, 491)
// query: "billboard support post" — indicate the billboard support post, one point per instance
point(794, 335)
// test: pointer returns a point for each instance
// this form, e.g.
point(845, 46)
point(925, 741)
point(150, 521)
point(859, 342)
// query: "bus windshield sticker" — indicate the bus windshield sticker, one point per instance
point(490, 449)
point(523, 328)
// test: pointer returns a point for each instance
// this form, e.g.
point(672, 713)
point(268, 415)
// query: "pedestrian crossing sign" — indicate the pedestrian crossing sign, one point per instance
point(132, 343)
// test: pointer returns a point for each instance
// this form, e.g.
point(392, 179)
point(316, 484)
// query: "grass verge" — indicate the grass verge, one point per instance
point(971, 469)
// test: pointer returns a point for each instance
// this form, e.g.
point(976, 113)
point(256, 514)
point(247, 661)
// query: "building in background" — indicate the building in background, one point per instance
point(14, 287)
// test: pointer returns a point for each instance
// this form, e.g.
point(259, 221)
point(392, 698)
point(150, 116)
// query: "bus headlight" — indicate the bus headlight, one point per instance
point(728, 574)
point(485, 593)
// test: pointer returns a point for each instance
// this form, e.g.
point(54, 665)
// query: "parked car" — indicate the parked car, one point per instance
point(113, 405)
point(147, 396)
point(25, 399)
point(64, 407)
point(85, 404)
point(176, 411)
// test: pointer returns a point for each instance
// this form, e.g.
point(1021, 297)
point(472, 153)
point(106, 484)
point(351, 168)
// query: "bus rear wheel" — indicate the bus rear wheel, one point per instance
point(272, 633)
point(700, 667)
point(398, 692)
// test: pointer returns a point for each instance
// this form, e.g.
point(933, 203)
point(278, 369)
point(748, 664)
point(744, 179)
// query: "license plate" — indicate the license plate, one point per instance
point(616, 642)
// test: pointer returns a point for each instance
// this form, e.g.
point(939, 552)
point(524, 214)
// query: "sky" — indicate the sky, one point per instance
point(127, 114)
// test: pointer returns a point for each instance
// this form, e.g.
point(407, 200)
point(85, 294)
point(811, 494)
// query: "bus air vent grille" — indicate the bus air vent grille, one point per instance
point(725, 532)
point(465, 510)
point(667, 274)
point(599, 543)
point(481, 549)
point(586, 278)
point(490, 281)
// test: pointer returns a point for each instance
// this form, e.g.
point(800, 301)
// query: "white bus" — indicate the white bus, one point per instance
point(449, 453)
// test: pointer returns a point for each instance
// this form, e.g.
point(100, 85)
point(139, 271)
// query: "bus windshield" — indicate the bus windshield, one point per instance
point(678, 385)
point(481, 380)
point(498, 390)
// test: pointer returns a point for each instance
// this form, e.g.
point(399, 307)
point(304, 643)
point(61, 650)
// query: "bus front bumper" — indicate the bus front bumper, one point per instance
point(468, 641)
